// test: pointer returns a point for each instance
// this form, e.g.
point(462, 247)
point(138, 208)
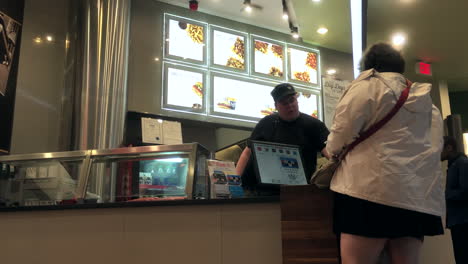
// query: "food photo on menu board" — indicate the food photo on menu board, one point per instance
point(186, 40)
point(242, 98)
point(303, 65)
point(184, 88)
point(268, 58)
point(228, 50)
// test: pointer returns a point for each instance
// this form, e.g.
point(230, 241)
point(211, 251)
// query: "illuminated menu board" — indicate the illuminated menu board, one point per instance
point(308, 103)
point(303, 66)
point(221, 73)
point(243, 98)
point(186, 40)
point(228, 50)
point(268, 58)
point(184, 88)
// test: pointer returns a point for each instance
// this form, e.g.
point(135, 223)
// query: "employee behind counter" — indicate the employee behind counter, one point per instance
point(287, 126)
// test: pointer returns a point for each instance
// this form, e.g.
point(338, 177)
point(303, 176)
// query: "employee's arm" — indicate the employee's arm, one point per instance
point(243, 160)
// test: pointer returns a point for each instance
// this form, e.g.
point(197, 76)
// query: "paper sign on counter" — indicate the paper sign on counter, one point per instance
point(172, 132)
point(151, 131)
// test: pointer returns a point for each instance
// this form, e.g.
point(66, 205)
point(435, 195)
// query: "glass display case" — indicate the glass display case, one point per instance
point(147, 173)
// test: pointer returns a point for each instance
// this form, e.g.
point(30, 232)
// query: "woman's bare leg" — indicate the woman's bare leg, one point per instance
point(405, 250)
point(360, 250)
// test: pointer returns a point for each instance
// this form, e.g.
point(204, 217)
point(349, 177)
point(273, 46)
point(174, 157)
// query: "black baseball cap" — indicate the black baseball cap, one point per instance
point(282, 90)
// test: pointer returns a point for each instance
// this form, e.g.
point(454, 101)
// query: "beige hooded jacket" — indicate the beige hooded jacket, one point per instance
point(400, 164)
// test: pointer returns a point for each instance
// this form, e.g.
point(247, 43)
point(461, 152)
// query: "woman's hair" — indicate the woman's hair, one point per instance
point(383, 58)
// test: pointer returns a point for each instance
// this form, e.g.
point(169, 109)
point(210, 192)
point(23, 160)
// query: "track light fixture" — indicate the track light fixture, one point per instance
point(295, 32)
point(285, 10)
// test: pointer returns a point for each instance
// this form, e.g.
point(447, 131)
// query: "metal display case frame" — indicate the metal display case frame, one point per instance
point(193, 151)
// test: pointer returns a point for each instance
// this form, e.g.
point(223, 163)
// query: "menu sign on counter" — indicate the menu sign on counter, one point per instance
point(186, 40)
point(184, 88)
point(332, 91)
point(268, 58)
point(242, 98)
point(303, 65)
point(228, 50)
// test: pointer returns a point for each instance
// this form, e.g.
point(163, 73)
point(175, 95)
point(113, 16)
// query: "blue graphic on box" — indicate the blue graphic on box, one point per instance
point(234, 179)
point(289, 163)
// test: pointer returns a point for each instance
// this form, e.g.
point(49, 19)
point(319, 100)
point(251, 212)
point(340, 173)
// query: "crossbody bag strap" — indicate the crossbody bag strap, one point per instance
point(374, 128)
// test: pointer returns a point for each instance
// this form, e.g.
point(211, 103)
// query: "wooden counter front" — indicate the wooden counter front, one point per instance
point(306, 225)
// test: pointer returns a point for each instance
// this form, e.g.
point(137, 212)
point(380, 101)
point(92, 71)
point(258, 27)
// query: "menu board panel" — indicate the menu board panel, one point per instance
point(184, 88)
point(268, 58)
point(243, 98)
point(186, 40)
point(229, 50)
point(303, 66)
point(308, 103)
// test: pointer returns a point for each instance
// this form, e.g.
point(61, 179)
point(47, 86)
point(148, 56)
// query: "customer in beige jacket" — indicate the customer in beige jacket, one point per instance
point(389, 187)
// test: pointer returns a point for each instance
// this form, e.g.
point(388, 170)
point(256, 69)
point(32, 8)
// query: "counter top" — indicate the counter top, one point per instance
point(262, 199)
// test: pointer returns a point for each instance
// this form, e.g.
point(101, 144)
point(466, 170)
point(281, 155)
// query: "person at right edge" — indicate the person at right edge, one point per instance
point(456, 196)
point(388, 189)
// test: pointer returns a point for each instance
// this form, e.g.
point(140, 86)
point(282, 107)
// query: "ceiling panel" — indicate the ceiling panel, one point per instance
point(435, 33)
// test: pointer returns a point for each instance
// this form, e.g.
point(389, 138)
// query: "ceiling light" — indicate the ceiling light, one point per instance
point(156, 59)
point(331, 71)
point(49, 38)
point(322, 30)
point(398, 39)
point(37, 39)
point(316, 1)
point(285, 11)
point(247, 6)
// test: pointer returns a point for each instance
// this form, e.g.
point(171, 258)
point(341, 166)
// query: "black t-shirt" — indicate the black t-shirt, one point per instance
point(309, 133)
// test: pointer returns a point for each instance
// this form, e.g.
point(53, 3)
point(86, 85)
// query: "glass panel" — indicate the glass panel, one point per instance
point(242, 98)
point(41, 182)
point(268, 58)
point(132, 178)
point(303, 66)
point(185, 88)
point(186, 40)
point(308, 103)
point(229, 50)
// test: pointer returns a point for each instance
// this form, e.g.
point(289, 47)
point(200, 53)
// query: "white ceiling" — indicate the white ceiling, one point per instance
point(435, 32)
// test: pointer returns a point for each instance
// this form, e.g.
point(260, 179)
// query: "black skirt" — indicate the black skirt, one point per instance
point(360, 217)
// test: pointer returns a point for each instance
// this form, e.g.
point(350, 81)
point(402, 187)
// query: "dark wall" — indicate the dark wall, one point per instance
point(458, 105)
point(13, 9)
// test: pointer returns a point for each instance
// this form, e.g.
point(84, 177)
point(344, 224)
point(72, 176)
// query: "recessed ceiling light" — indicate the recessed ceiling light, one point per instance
point(398, 39)
point(322, 30)
point(316, 1)
point(285, 16)
point(248, 8)
point(49, 38)
point(331, 71)
point(156, 59)
point(37, 39)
